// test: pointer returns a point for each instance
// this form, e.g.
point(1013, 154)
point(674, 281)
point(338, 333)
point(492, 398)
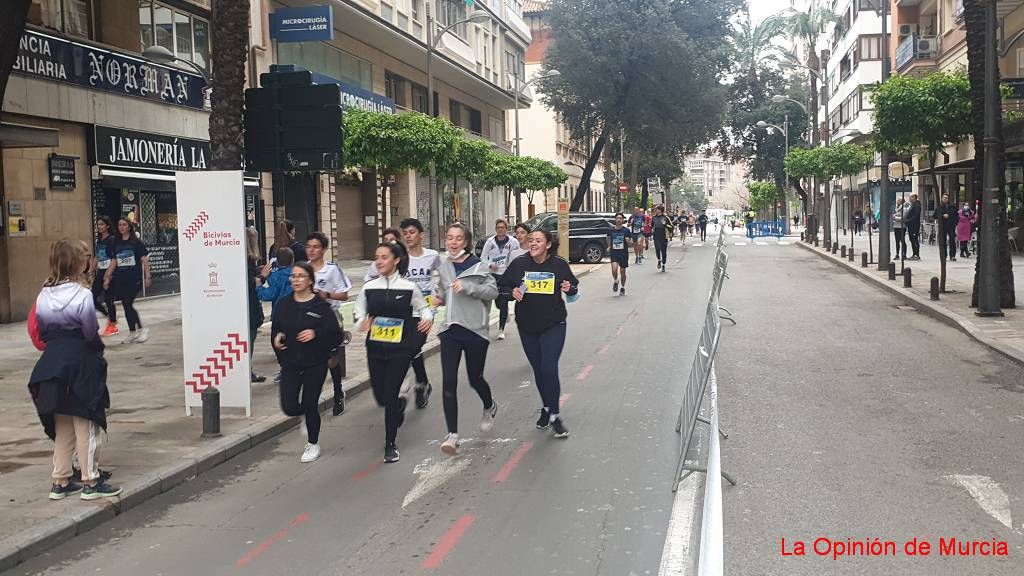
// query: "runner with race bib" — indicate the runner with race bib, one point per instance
point(497, 253)
point(131, 272)
point(422, 264)
point(619, 240)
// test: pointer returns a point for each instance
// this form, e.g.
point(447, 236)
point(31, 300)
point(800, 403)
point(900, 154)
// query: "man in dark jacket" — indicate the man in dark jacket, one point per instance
point(946, 215)
point(912, 220)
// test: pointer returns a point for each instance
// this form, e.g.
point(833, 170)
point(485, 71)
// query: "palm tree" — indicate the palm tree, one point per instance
point(974, 22)
point(230, 51)
point(755, 44)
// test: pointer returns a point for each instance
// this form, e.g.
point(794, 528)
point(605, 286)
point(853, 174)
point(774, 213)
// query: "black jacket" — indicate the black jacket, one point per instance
point(256, 316)
point(292, 317)
point(912, 218)
point(537, 313)
point(947, 224)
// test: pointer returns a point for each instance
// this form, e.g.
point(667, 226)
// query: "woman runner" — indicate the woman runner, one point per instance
point(540, 280)
point(304, 333)
point(497, 253)
point(386, 309)
point(103, 264)
point(467, 288)
point(131, 273)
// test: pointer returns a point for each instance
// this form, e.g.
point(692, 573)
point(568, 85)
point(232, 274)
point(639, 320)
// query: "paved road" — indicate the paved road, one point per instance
point(514, 502)
point(853, 418)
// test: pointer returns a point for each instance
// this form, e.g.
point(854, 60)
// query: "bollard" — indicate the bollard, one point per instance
point(892, 270)
point(835, 248)
point(850, 254)
point(843, 251)
point(934, 290)
point(801, 236)
point(815, 241)
point(211, 412)
point(863, 259)
point(906, 278)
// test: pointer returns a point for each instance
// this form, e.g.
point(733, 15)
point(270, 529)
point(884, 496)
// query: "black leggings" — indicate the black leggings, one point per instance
point(502, 303)
point(915, 240)
point(543, 351)
point(661, 247)
point(386, 376)
point(300, 394)
point(419, 367)
point(127, 297)
point(703, 228)
point(901, 241)
point(103, 299)
point(452, 348)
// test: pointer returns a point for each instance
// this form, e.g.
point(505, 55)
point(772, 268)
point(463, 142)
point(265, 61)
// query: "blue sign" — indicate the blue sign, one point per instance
point(355, 97)
point(306, 24)
point(52, 58)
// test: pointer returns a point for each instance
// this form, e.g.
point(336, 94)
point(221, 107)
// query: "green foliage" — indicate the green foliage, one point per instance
point(928, 111)
point(394, 142)
point(763, 195)
point(470, 159)
point(521, 173)
point(828, 161)
point(686, 192)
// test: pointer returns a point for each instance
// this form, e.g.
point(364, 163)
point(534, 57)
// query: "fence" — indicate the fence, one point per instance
point(712, 553)
point(776, 228)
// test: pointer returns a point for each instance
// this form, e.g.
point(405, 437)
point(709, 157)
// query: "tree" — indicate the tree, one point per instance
point(825, 163)
point(620, 63)
point(521, 172)
point(12, 27)
point(395, 142)
point(689, 195)
point(974, 23)
point(762, 195)
point(230, 50)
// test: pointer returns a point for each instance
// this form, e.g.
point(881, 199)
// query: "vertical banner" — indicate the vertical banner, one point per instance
point(214, 296)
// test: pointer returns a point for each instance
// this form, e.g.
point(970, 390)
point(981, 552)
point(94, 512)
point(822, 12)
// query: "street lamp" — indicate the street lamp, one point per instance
point(437, 226)
point(164, 56)
point(518, 89)
point(780, 99)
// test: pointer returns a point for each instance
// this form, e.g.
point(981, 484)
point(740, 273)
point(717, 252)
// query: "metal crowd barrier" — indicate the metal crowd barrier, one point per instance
point(776, 228)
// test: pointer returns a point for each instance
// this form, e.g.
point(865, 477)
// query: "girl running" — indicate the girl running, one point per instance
point(522, 234)
point(386, 308)
point(103, 264)
point(389, 235)
point(304, 332)
point(497, 252)
point(540, 280)
point(467, 287)
point(131, 273)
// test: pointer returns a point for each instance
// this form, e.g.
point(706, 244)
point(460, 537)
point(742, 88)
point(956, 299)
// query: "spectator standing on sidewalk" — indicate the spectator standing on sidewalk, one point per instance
point(858, 222)
point(965, 228)
point(103, 264)
point(285, 233)
point(912, 221)
point(130, 275)
point(947, 216)
point(69, 381)
point(496, 254)
point(256, 318)
point(899, 228)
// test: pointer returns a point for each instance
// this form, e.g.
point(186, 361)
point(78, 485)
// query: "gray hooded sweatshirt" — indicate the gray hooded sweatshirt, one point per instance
point(470, 308)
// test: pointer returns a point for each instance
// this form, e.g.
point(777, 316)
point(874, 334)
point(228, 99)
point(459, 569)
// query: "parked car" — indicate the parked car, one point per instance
point(588, 233)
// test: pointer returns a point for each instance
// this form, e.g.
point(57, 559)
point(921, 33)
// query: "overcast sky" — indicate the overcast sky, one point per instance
point(761, 9)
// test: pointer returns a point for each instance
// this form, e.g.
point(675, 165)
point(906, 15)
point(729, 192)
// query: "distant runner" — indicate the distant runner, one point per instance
point(619, 241)
point(636, 227)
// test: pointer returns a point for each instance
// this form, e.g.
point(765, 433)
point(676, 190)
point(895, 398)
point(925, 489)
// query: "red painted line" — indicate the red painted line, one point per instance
point(266, 544)
point(618, 332)
point(563, 399)
point(447, 542)
point(603, 350)
point(512, 463)
point(585, 372)
point(367, 471)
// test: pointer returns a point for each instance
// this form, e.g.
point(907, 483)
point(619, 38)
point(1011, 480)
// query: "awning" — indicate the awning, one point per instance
point(958, 167)
point(153, 181)
point(25, 136)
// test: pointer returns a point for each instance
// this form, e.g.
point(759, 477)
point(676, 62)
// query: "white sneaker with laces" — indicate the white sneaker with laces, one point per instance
point(311, 452)
point(131, 338)
point(450, 446)
point(501, 334)
point(487, 422)
point(142, 335)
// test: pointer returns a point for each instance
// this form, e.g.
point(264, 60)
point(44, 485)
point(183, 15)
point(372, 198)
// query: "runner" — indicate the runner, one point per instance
point(691, 223)
point(636, 226)
point(648, 232)
point(540, 280)
point(103, 264)
point(619, 238)
point(662, 228)
point(522, 233)
point(131, 273)
point(305, 333)
point(387, 307)
point(389, 235)
point(332, 285)
point(496, 254)
point(702, 226)
point(69, 381)
point(467, 289)
point(422, 264)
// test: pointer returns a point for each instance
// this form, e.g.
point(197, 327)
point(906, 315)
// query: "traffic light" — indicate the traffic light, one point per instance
point(292, 124)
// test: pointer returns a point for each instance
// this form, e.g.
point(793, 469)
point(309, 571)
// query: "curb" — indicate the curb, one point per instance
point(935, 311)
point(49, 534)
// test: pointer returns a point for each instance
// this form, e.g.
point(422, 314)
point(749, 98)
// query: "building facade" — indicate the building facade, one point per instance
point(722, 182)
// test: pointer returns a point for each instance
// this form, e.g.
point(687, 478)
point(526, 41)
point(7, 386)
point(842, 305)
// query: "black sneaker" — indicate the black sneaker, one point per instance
point(615, 287)
point(391, 453)
point(257, 378)
point(558, 428)
point(622, 291)
point(58, 492)
point(76, 476)
point(339, 405)
point(545, 418)
point(99, 490)
point(423, 395)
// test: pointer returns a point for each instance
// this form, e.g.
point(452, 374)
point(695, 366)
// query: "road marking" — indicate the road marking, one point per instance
point(988, 494)
point(698, 245)
point(563, 399)
point(740, 244)
point(675, 556)
point(430, 475)
point(603, 350)
point(266, 544)
point(447, 542)
point(367, 471)
point(513, 462)
point(585, 372)
point(618, 331)
point(759, 243)
point(784, 243)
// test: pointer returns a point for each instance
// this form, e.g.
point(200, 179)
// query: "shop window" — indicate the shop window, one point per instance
point(185, 35)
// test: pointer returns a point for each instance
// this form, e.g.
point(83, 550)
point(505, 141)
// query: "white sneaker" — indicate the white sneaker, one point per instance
point(142, 335)
point(487, 422)
point(450, 446)
point(132, 338)
point(311, 452)
point(501, 334)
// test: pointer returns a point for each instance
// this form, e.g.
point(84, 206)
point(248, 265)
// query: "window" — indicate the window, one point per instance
point(329, 61)
point(387, 12)
point(185, 35)
point(451, 11)
point(476, 122)
point(870, 48)
point(76, 17)
point(395, 87)
point(419, 98)
point(455, 112)
point(513, 62)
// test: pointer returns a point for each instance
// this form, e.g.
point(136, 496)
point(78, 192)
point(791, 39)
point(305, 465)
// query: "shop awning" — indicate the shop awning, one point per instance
point(154, 181)
point(958, 167)
point(25, 136)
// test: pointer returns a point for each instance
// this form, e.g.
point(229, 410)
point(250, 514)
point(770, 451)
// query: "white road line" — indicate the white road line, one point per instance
point(759, 243)
point(675, 556)
point(784, 243)
point(740, 244)
point(432, 474)
point(987, 493)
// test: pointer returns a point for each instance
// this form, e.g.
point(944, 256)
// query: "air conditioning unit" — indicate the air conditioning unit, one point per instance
point(927, 46)
point(907, 30)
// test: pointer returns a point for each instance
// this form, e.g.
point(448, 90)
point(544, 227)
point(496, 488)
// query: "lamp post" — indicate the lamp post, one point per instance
point(991, 211)
point(785, 132)
point(436, 206)
point(518, 141)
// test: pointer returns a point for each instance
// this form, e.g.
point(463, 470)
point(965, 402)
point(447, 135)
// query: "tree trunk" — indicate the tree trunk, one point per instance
point(588, 172)
point(974, 20)
point(12, 26)
point(644, 194)
point(230, 51)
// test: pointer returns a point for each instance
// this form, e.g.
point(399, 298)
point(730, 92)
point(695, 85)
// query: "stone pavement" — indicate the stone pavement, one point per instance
point(151, 446)
point(1005, 334)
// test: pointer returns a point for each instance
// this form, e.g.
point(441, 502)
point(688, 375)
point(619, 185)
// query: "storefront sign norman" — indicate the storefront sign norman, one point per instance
point(52, 58)
point(130, 149)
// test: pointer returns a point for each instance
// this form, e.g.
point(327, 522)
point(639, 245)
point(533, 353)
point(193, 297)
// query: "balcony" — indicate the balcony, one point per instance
point(917, 54)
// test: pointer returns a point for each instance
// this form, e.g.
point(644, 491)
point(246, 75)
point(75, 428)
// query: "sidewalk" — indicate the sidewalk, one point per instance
point(1005, 335)
point(151, 445)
